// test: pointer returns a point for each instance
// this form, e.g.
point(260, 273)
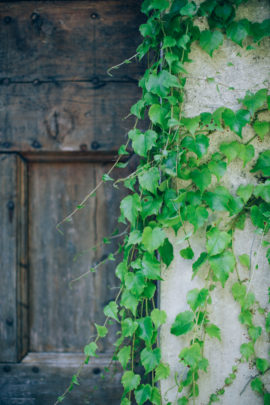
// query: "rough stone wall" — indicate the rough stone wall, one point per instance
point(231, 66)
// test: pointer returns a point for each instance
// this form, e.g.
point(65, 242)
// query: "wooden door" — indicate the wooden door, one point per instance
point(61, 124)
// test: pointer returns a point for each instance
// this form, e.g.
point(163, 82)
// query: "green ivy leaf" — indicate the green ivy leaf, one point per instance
point(257, 217)
point(158, 317)
point(150, 358)
point(218, 168)
point(162, 372)
point(199, 145)
point(125, 401)
point(90, 349)
point(236, 121)
point(149, 179)
point(267, 323)
point(255, 332)
point(129, 301)
point(101, 330)
point(198, 263)
point(134, 238)
point(161, 83)
point(138, 108)
point(183, 323)
point(166, 252)
point(245, 192)
point(130, 381)
point(246, 153)
point(222, 265)
point(210, 41)
point(254, 101)
point(150, 206)
point(182, 401)
point(244, 260)
point(157, 115)
point(238, 31)
point(217, 241)
point(213, 331)
point(168, 42)
point(128, 327)
point(247, 350)
point(239, 292)
point(142, 142)
point(257, 385)
point(145, 329)
point(143, 393)
point(230, 150)
point(261, 128)
point(124, 356)
point(197, 216)
point(130, 207)
point(263, 191)
point(152, 239)
point(191, 355)
point(202, 178)
point(151, 267)
point(189, 9)
point(135, 283)
point(263, 163)
point(262, 365)
point(196, 298)
point(111, 310)
point(191, 124)
point(187, 253)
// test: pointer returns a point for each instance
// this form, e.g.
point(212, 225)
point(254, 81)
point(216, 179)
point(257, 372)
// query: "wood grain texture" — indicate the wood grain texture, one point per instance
point(40, 379)
point(71, 40)
point(13, 260)
point(62, 318)
point(65, 117)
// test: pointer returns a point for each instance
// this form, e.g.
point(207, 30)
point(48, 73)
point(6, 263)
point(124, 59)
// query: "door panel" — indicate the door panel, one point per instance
point(62, 312)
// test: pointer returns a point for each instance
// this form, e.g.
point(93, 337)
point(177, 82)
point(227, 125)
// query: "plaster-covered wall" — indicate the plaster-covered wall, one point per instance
point(231, 66)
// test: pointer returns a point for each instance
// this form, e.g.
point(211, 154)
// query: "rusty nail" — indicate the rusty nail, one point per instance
point(94, 16)
point(7, 19)
point(34, 16)
point(36, 144)
point(95, 80)
point(96, 370)
point(36, 82)
point(95, 145)
point(9, 321)
point(83, 147)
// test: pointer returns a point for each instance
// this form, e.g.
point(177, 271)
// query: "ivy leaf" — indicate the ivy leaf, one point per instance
point(149, 179)
point(128, 327)
point(135, 283)
point(151, 267)
point(90, 349)
point(218, 168)
point(237, 31)
point(255, 332)
point(168, 42)
point(142, 142)
point(111, 310)
point(263, 163)
point(125, 401)
point(166, 252)
point(217, 241)
point(257, 217)
point(213, 331)
point(134, 238)
point(152, 239)
point(191, 355)
point(197, 216)
point(244, 260)
point(150, 206)
point(182, 401)
point(124, 356)
point(263, 191)
point(202, 178)
point(145, 329)
point(245, 192)
point(189, 9)
point(158, 317)
point(246, 153)
point(162, 372)
point(254, 101)
point(101, 330)
point(261, 128)
point(236, 121)
point(157, 114)
point(143, 393)
point(239, 292)
point(155, 4)
point(191, 124)
point(138, 108)
point(210, 41)
point(183, 323)
point(130, 381)
point(199, 145)
point(106, 177)
point(262, 365)
point(129, 301)
point(187, 253)
point(198, 263)
point(230, 150)
point(247, 350)
point(130, 207)
point(222, 265)
point(150, 358)
point(267, 323)
point(218, 200)
point(257, 385)
point(161, 83)
point(197, 298)
point(121, 270)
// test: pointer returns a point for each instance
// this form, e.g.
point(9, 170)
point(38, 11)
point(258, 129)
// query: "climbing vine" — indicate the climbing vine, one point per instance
point(178, 185)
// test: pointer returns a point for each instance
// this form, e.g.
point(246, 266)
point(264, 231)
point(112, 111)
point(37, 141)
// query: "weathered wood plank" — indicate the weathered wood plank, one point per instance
point(65, 116)
point(71, 40)
point(13, 261)
point(40, 379)
point(62, 318)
